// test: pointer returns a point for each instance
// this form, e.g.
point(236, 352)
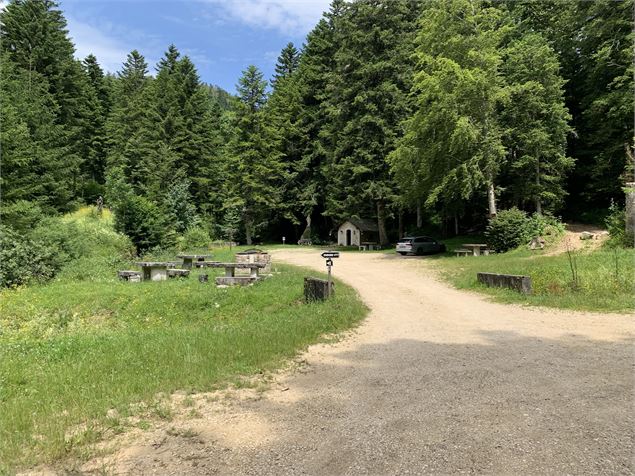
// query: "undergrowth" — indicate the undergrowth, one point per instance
point(86, 343)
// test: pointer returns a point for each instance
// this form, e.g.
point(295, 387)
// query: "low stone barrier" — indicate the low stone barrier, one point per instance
point(522, 284)
point(316, 289)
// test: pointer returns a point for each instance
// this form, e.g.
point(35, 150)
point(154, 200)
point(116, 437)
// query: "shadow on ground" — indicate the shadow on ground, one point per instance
point(505, 404)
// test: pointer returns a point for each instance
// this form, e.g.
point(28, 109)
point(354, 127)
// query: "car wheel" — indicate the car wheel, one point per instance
point(402, 253)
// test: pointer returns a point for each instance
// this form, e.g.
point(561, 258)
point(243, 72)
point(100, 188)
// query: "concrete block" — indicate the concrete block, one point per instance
point(316, 289)
point(522, 284)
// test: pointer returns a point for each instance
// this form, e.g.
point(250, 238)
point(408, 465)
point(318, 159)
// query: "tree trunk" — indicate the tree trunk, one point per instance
point(306, 234)
point(248, 231)
point(491, 199)
point(381, 223)
point(456, 225)
point(400, 223)
point(419, 218)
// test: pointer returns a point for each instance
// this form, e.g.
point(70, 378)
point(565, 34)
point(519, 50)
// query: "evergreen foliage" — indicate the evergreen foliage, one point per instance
point(255, 172)
point(452, 107)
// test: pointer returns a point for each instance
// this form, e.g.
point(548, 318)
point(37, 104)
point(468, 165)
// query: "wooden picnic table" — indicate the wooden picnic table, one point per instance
point(475, 248)
point(155, 270)
point(189, 259)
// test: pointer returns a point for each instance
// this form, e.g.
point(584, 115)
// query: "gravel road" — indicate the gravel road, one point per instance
point(434, 381)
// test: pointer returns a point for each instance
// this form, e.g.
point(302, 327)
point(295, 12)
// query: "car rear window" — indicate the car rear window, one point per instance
point(405, 240)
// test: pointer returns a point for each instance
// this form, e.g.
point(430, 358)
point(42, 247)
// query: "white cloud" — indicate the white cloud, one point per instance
point(110, 52)
point(3, 4)
point(289, 16)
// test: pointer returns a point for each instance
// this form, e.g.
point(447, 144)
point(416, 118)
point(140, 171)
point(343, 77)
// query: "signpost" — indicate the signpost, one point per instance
point(329, 255)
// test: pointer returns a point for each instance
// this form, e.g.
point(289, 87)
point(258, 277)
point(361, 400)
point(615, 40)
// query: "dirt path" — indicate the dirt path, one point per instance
point(435, 381)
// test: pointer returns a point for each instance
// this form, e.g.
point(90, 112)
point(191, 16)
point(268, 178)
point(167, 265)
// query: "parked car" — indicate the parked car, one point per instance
point(419, 245)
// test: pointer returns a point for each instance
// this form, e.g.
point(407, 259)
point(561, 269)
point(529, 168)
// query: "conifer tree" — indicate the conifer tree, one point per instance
point(33, 162)
point(33, 34)
point(368, 103)
point(255, 173)
point(287, 63)
point(98, 98)
point(125, 124)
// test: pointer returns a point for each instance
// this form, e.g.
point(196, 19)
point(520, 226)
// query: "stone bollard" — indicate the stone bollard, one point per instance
point(203, 278)
point(316, 289)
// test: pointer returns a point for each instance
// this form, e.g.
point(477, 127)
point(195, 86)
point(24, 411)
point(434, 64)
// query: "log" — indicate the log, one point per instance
point(522, 284)
point(316, 289)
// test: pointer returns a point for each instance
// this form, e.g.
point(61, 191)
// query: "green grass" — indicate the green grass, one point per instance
point(605, 284)
point(86, 343)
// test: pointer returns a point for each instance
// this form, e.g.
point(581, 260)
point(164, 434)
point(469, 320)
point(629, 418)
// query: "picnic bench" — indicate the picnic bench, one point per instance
point(462, 252)
point(368, 245)
point(155, 270)
point(475, 248)
point(128, 275)
point(188, 260)
point(230, 277)
point(178, 273)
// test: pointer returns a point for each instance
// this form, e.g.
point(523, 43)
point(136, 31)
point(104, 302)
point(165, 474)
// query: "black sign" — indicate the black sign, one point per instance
point(331, 254)
point(329, 262)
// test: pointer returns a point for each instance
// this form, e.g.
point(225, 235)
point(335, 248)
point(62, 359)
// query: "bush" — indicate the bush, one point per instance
point(21, 215)
point(616, 226)
point(508, 230)
point(194, 238)
point(546, 226)
point(39, 255)
point(143, 222)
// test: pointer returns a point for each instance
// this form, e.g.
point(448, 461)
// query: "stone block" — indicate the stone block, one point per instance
point(522, 284)
point(316, 289)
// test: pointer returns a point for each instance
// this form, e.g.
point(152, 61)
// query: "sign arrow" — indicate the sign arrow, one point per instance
point(331, 254)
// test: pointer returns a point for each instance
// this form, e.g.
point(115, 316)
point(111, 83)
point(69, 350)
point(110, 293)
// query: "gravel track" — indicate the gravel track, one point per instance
point(434, 381)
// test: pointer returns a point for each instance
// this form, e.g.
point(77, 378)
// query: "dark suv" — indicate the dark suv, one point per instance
point(419, 245)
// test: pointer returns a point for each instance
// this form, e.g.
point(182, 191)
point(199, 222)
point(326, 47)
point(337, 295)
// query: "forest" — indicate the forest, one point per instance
point(420, 115)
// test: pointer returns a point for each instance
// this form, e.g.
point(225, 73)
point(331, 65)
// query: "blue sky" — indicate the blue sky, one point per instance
point(221, 36)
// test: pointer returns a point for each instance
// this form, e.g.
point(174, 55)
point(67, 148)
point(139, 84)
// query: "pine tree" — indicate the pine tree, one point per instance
point(98, 98)
point(34, 164)
point(287, 63)
point(124, 126)
point(317, 142)
point(367, 104)
point(182, 134)
point(33, 33)
point(255, 173)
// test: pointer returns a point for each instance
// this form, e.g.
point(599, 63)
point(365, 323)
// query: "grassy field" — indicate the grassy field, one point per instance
point(605, 276)
point(84, 344)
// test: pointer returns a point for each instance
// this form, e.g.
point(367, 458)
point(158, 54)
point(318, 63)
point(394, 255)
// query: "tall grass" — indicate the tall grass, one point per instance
point(86, 343)
point(600, 280)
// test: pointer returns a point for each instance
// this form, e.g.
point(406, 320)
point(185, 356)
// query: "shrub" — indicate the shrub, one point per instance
point(21, 215)
point(616, 226)
point(508, 230)
point(143, 222)
point(179, 206)
point(546, 226)
point(20, 258)
point(39, 255)
point(195, 237)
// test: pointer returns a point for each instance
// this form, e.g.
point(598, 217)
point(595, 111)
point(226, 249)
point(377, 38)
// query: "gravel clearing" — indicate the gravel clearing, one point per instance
point(435, 381)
